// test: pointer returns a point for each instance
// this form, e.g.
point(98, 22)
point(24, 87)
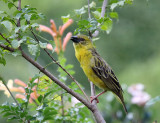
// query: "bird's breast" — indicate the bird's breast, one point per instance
point(86, 60)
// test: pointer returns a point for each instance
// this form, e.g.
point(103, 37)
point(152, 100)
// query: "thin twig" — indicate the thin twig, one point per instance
point(4, 38)
point(95, 34)
point(61, 66)
point(4, 83)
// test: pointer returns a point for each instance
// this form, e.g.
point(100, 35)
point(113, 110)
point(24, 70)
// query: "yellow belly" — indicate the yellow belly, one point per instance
point(85, 61)
point(93, 77)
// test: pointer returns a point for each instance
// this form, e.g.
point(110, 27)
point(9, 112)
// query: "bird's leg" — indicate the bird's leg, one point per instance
point(95, 97)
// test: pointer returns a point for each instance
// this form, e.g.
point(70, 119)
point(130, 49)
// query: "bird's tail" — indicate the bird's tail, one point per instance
point(120, 97)
point(124, 106)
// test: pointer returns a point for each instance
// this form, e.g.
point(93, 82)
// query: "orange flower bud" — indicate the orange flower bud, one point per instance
point(53, 26)
point(46, 29)
point(67, 24)
point(19, 82)
point(65, 40)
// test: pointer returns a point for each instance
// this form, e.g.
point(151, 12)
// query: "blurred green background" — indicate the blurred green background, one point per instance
point(132, 48)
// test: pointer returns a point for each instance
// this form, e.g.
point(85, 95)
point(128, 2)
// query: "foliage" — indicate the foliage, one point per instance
point(47, 104)
point(97, 22)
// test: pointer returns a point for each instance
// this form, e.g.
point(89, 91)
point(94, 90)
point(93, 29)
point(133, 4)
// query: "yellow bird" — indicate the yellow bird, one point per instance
point(95, 67)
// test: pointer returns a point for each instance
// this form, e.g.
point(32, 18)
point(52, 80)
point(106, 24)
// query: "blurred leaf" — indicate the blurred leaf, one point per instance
point(114, 5)
point(42, 45)
point(2, 61)
point(91, 5)
point(16, 53)
point(129, 1)
point(35, 25)
point(18, 16)
point(27, 16)
point(33, 49)
point(153, 101)
point(107, 25)
point(113, 15)
point(15, 44)
point(80, 11)
point(7, 24)
point(97, 14)
point(65, 18)
point(24, 27)
point(10, 5)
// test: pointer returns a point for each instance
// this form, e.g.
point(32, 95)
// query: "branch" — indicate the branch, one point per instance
point(90, 106)
point(61, 66)
point(102, 15)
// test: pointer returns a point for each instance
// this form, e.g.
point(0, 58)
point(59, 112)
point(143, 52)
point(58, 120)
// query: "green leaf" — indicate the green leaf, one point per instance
point(10, 5)
point(24, 27)
point(14, 0)
point(2, 12)
point(27, 16)
point(42, 45)
point(65, 18)
point(113, 15)
point(7, 25)
point(153, 101)
point(35, 25)
point(114, 5)
point(91, 5)
point(18, 16)
point(107, 25)
point(128, 1)
point(16, 53)
point(80, 11)
point(2, 61)
point(15, 43)
point(96, 14)
point(33, 49)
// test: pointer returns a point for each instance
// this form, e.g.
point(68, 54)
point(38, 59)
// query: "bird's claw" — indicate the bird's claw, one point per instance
point(94, 98)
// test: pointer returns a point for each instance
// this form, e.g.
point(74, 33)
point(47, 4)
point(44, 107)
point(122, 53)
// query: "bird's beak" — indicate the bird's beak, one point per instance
point(75, 39)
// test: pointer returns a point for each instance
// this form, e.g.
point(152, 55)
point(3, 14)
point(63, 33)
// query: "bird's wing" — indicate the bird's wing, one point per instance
point(105, 73)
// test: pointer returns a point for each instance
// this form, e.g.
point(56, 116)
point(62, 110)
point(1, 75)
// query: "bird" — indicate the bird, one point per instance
point(96, 68)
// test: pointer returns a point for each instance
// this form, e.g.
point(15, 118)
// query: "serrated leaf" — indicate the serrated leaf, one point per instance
point(33, 49)
point(113, 15)
point(42, 45)
point(7, 25)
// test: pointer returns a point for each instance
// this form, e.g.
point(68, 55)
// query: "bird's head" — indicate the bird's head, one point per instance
point(81, 40)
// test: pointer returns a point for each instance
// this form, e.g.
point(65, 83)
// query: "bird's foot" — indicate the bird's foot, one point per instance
point(94, 98)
